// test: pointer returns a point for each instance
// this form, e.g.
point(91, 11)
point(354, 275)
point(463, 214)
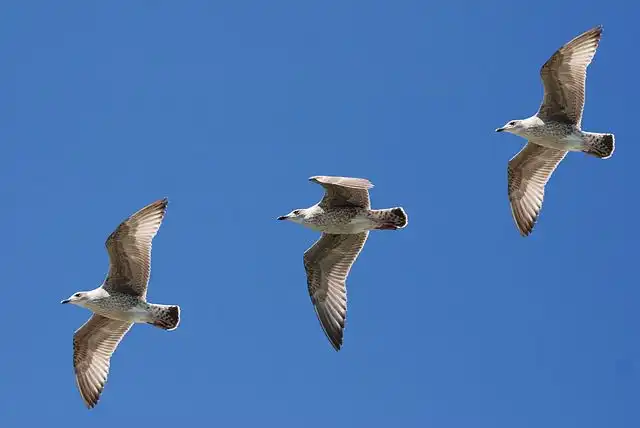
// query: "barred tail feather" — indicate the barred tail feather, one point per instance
point(399, 217)
point(600, 145)
point(392, 218)
point(167, 317)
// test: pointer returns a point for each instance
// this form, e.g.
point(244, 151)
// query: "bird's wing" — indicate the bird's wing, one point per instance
point(564, 76)
point(129, 248)
point(93, 344)
point(344, 191)
point(327, 264)
point(527, 175)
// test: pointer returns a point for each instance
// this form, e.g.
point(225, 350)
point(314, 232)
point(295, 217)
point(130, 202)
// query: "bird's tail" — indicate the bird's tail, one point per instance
point(391, 218)
point(599, 145)
point(166, 317)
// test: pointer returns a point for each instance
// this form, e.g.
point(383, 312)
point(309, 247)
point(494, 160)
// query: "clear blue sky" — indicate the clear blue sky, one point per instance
point(454, 322)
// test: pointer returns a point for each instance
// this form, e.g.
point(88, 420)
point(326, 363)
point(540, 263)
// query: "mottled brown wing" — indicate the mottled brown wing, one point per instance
point(344, 191)
point(527, 173)
point(327, 264)
point(564, 76)
point(129, 248)
point(93, 345)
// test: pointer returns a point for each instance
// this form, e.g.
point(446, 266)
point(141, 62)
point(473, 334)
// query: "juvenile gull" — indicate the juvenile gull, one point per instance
point(119, 302)
point(554, 130)
point(344, 216)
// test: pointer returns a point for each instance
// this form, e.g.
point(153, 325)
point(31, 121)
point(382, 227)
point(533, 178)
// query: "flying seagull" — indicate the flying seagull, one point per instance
point(344, 216)
point(554, 130)
point(119, 302)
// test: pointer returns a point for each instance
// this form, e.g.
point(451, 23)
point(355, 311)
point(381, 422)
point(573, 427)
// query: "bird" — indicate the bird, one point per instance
point(554, 130)
point(344, 217)
point(119, 302)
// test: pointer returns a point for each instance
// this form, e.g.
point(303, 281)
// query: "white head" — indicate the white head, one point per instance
point(297, 216)
point(80, 298)
point(517, 127)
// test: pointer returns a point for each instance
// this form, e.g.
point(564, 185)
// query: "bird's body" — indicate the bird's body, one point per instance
point(125, 307)
point(347, 220)
point(120, 301)
point(344, 216)
point(118, 306)
point(556, 135)
point(554, 130)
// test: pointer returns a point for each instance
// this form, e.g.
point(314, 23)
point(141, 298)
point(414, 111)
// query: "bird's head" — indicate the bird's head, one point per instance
point(78, 298)
point(296, 216)
point(513, 127)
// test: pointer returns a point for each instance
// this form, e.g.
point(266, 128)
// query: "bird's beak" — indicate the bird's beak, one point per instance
point(283, 217)
point(65, 301)
point(499, 129)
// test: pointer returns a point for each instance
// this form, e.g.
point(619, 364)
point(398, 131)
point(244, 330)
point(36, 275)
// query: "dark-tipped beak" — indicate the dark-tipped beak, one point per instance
point(65, 301)
point(499, 129)
point(282, 217)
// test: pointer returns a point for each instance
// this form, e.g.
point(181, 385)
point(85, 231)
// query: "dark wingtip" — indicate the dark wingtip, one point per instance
point(163, 203)
point(335, 339)
point(526, 229)
point(597, 31)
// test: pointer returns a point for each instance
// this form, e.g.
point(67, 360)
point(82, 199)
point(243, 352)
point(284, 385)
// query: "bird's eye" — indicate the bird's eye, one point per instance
point(512, 123)
point(296, 212)
point(76, 295)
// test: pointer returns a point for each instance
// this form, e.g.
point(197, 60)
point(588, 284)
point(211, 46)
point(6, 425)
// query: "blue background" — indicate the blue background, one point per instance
point(227, 108)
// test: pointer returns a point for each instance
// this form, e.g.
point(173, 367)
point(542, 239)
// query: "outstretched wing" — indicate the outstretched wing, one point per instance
point(344, 191)
point(93, 345)
point(564, 76)
point(327, 264)
point(527, 174)
point(129, 248)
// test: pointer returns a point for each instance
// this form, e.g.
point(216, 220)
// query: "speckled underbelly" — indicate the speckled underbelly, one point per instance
point(356, 224)
point(122, 312)
point(572, 142)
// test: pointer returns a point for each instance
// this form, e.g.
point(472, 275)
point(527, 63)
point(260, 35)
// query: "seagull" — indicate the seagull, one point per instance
point(554, 130)
point(344, 216)
point(119, 302)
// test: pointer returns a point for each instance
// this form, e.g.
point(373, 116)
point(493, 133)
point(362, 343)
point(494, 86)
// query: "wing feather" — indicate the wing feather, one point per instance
point(564, 77)
point(327, 264)
point(344, 191)
point(129, 248)
point(527, 175)
point(93, 345)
